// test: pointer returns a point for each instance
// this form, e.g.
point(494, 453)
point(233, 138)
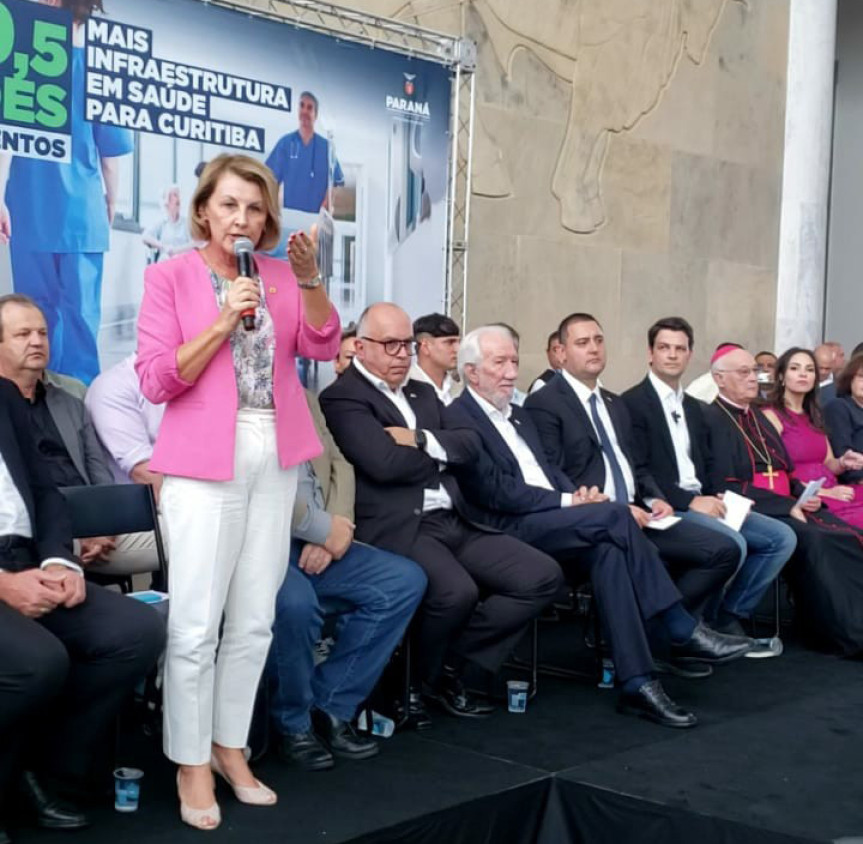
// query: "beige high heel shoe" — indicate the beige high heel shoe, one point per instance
point(205, 819)
point(258, 795)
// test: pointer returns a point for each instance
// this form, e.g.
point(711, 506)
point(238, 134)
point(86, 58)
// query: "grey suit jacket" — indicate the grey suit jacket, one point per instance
point(77, 432)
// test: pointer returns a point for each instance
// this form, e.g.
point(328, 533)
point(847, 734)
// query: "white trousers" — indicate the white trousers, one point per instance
point(229, 544)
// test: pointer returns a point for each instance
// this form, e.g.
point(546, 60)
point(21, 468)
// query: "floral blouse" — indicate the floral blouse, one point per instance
point(253, 351)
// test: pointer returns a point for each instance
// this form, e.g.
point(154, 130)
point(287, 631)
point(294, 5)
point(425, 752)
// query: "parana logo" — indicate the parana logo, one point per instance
point(403, 105)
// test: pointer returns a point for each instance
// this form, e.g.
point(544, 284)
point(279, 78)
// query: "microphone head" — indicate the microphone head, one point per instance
point(243, 246)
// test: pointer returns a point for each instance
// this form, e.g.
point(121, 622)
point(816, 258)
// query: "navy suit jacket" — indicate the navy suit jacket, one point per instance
point(49, 516)
point(390, 478)
point(655, 449)
point(493, 485)
point(570, 441)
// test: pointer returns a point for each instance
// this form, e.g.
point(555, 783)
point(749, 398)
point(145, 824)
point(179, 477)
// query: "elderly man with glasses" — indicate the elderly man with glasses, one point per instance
point(389, 427)
point(747, 456)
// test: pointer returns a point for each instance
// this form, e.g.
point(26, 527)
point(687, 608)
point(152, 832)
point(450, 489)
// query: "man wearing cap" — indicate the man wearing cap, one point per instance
point(437, 342)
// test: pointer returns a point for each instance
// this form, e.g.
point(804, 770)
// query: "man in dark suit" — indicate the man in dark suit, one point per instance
point(671, 438)
point(407, 502)
point(512, 487)
point(553, 352)
point(71, 651)
point(60, 424)
point(586, 431)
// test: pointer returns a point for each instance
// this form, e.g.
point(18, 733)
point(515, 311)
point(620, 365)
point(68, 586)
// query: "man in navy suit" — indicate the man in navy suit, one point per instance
point(587, 432)
point(71, 651)
point(407, 502)
point(512, 487)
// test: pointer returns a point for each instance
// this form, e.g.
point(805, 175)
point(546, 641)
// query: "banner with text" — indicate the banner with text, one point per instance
point(109, 116)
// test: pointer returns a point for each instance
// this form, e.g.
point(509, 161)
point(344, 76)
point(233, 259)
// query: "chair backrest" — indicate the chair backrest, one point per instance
point(110, 509)
point(113, 509)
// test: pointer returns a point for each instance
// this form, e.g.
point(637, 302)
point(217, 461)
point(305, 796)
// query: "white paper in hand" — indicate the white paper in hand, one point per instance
point(664, 523)
point(737, 508)
point(812, 489)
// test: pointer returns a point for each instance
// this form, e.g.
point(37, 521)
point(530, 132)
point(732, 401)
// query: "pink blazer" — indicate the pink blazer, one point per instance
point(197, 435)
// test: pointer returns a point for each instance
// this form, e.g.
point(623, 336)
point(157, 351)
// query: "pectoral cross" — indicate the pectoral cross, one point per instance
point(770, 474)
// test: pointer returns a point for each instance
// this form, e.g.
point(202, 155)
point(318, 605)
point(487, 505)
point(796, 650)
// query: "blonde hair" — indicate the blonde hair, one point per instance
point(249, 169)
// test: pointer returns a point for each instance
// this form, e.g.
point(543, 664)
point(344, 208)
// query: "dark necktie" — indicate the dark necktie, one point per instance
point(620, 492)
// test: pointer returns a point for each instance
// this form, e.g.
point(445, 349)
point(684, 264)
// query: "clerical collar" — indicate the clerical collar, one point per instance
point(744, 409)
point(663, 390)
point(488, 408)
point(376, 380)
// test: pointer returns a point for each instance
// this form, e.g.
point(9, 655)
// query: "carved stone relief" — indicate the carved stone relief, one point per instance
point(618, 56)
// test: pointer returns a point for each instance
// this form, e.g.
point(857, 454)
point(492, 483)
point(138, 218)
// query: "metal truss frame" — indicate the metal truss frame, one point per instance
point(457, 54)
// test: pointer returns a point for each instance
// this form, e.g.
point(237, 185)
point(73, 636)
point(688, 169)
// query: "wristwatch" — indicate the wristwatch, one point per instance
point(420, 437)
point(310, 285)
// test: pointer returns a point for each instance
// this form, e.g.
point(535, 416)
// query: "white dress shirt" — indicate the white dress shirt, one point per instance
point(444, 393)
point(14, 518)
point(530, 469)
point(583, 394)
point(675, 419)
point(433, 499)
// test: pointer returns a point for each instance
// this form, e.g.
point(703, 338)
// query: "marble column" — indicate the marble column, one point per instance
point(806, 173)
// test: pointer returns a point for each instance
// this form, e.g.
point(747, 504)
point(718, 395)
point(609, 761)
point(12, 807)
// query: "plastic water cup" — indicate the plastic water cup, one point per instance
point(516, 695)
point(127, 789)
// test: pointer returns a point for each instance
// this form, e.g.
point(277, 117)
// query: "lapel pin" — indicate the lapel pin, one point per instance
point(412, 395)
point(272, 290)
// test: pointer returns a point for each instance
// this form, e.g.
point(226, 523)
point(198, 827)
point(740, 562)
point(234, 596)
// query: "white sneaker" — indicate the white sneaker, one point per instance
point(766, 648)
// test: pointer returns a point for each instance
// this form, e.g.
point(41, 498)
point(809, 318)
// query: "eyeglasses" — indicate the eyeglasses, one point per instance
point(742, 372)
point(393, 347)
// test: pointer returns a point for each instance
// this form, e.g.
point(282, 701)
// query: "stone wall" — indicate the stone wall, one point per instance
point(628, 162)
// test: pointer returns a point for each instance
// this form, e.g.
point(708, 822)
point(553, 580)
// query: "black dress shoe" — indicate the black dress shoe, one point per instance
point(706, 645)
point(451, 696)
point(341, 737)
point(49, 812)
point(687, 671)
point(650, 701)
point(304, 750)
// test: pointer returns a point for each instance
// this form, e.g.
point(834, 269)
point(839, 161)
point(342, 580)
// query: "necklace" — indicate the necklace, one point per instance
point(771, 473)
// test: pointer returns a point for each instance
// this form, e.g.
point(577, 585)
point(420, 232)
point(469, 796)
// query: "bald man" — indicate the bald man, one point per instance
point(825, 357)
point(389, 427)
point(748, 457)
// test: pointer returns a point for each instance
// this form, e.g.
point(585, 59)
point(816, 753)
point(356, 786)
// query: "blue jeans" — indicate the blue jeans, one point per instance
point(375, 594)
point(765, 546)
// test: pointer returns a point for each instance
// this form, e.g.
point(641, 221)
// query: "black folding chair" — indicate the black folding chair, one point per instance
point(113, 509)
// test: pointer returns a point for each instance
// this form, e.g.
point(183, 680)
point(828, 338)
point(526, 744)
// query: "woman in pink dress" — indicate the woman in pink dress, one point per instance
point(796, 414)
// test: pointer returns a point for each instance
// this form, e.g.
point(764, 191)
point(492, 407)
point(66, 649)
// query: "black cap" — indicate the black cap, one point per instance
point(436, 325)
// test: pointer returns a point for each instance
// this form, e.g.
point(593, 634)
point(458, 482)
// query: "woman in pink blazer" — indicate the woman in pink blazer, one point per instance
point(235, 428)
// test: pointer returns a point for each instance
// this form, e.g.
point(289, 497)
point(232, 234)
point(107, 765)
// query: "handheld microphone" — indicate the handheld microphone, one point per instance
point(243, 249)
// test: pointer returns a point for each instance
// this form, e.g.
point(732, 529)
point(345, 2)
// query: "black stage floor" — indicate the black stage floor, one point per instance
point(777, 757)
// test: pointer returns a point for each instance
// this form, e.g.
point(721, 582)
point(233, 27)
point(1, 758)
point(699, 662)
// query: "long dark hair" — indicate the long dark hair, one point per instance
point(811, 401)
